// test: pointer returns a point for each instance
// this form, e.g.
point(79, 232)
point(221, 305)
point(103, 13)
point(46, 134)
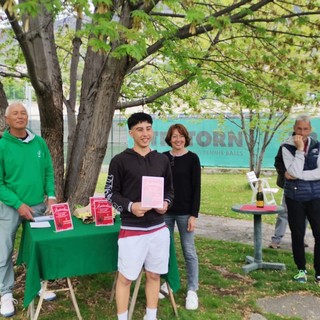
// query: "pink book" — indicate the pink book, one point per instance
point(103, 212)
point(92, 207)
point(152, 192)
point(62, 217)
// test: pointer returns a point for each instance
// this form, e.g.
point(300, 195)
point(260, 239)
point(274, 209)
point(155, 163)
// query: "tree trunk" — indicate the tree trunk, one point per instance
point(102, 81)
point(71, 103)
point(39, 49)
point(91, 73)
point(3, 106)
point(52, 131)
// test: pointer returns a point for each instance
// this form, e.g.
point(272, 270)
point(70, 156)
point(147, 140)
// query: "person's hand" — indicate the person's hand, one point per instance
point(138, 210)
point(50, 202)
point(191, 223)
point(163, 209)
point(298, 141)
point(288, 176)
point(25, 212)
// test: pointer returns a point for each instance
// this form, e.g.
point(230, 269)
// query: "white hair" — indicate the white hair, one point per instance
point(13, 105)
point(304, 118)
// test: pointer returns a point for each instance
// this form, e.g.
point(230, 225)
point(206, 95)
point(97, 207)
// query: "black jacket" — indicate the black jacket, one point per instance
point(280, 167)
point(124, 184)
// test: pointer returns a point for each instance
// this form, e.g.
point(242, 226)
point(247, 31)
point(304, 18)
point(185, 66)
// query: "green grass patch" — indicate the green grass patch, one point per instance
point(219, 191)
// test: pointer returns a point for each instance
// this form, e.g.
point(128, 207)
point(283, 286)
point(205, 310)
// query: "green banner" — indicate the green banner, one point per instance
point(221, 145)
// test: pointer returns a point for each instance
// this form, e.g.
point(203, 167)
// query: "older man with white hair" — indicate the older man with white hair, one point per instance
point(301, 156)
point(26, 180)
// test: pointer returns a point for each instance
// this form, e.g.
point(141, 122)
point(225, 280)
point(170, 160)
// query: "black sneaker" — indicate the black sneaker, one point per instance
point(317, 280)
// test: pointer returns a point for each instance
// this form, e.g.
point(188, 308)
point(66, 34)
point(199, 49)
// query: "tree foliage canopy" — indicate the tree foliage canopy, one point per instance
point(260, 56)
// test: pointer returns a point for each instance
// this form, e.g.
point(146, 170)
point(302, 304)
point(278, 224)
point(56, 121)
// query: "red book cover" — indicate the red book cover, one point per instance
point(103, 212)
point(62, 217)
point(92, 207)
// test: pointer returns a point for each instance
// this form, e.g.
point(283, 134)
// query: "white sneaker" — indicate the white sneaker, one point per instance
point(7, 305)
point(164, 288)
point(48, 296)
point(145, 317)
point(192, 300)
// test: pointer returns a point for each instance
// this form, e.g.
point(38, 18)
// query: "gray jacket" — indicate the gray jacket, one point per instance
point(305, 167)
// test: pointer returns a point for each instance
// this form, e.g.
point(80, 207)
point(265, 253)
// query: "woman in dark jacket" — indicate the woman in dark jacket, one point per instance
point(186, 173)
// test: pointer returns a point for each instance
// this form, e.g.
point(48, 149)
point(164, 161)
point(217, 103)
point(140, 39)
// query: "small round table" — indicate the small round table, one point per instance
point(256, 262)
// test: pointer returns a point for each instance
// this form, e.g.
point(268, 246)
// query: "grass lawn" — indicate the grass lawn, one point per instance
point(225, 291)
point(221, 190)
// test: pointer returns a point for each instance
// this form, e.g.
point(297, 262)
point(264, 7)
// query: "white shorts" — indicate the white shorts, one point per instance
point(150, 250)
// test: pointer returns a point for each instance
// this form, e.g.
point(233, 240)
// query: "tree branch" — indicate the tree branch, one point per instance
point(292, 15)
point(165, 14)
point(283, 32)
point(21, 38)
point(184, 32)
point(143, 101)
point(13, 73)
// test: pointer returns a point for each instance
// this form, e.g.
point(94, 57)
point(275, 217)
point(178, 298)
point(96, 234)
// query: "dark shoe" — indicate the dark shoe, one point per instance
point(317, 281)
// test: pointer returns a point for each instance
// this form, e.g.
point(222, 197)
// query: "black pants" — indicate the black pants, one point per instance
point(297, 213)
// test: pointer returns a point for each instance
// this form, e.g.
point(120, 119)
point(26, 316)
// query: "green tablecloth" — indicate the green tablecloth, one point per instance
point(86, 249)
point(173, 277)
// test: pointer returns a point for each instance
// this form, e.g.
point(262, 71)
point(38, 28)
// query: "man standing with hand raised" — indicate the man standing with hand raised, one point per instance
point(302, 193)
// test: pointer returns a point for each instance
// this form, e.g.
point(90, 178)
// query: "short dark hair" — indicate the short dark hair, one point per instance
point(182, 130)
point(138, 117)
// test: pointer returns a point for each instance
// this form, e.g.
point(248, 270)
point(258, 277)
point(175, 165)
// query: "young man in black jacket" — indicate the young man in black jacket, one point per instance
point(144, 238)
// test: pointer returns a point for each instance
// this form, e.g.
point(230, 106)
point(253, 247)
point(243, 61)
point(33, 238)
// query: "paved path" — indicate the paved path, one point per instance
point(229, 229)
point(301, 305)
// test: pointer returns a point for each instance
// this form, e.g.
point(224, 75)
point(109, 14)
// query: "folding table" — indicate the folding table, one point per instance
point(87, 249)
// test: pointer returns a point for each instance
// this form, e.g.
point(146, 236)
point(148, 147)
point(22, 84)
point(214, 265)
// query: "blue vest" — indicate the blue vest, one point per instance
point(301, 190)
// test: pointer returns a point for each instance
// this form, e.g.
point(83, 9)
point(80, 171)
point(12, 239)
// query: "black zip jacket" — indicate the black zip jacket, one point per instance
point(124, 184)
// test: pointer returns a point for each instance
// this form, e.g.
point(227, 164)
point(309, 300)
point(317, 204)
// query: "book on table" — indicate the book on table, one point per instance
point(103, 212)
point(62, 217)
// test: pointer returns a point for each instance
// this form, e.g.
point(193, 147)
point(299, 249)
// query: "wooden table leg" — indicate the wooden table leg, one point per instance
point(172, 300)
point(34, 315)
point(73, 299)
point(134, 295)
point(43, 291)
point(114, 286)
point(30, 313)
